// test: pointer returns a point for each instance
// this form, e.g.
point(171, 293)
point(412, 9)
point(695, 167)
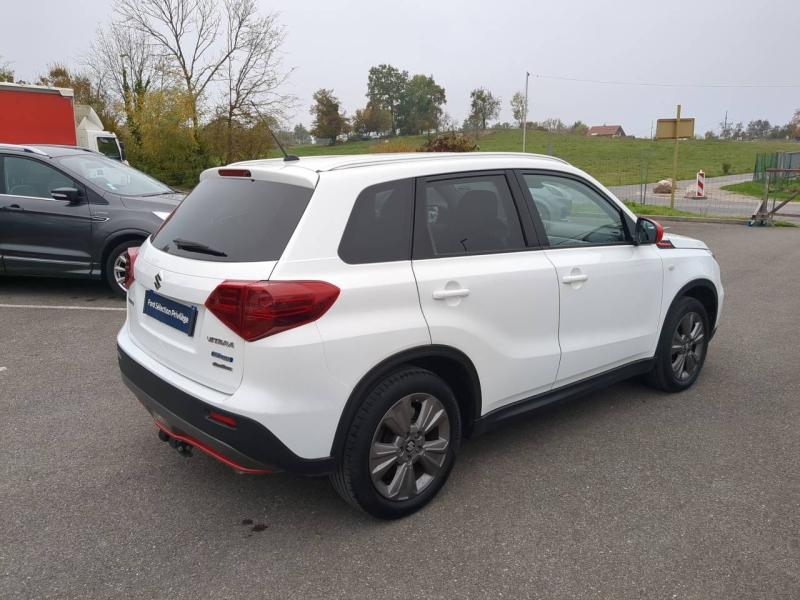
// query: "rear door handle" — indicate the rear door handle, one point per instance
point(574, 278)
point(13, 207)
point(444, 294)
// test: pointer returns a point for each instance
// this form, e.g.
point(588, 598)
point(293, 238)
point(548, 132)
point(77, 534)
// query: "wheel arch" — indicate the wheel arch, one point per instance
point(452, 365)
point(705, 292)
point(115, 239)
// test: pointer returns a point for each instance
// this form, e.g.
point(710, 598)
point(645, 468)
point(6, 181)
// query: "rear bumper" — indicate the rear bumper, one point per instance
point(249, 447)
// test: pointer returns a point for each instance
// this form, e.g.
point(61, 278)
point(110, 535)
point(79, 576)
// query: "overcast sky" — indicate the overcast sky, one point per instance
point(469, 43)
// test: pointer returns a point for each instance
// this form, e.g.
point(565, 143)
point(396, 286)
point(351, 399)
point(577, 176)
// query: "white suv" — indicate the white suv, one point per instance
point(358, 316)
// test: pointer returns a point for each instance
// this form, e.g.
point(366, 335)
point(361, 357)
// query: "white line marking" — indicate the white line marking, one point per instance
point(3, 369)
point(63, 307)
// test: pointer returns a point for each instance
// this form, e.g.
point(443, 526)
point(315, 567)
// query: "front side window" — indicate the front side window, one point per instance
point(574, 214)
point(26, 177)
point(471, 215)
point(379, 228)
point(113, 176)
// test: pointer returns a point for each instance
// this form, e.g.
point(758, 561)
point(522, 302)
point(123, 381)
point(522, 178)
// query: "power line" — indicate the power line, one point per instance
point(660, 84)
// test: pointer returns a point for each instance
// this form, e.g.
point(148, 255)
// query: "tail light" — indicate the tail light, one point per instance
point(233, 172)
point(257, 309)
point(132, 254)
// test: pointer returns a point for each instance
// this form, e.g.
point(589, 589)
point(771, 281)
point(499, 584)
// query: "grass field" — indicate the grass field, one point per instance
point(657, 210)
point(756, 189)
point(612, 161)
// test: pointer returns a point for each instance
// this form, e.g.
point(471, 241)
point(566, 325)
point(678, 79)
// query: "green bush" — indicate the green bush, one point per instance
point(726, 168)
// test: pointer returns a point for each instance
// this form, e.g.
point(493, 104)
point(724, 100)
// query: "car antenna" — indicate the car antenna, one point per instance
point(286, 157)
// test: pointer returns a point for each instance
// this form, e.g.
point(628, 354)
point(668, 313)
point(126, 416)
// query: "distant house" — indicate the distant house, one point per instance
point(606, 131)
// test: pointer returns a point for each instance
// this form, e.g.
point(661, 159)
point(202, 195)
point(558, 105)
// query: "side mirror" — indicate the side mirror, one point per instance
point(71, 195)
point(647, 231)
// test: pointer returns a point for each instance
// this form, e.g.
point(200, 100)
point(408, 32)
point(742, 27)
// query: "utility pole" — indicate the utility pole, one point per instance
point(525, 119)
point(675, 161)
point(725, 126)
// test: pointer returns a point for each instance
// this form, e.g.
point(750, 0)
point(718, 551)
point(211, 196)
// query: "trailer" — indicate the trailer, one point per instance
point(36, 114)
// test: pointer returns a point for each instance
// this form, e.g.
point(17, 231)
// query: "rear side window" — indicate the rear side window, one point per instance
point(379, 228)
point(234, 220)
point(470, 215)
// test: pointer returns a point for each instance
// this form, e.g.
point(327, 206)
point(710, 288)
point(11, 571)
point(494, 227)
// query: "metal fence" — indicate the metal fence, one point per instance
point(776, 160)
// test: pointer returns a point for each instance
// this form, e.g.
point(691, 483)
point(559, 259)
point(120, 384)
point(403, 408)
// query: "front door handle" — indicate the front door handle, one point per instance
point(13, 207)
point(577, 278)
point(444, 294)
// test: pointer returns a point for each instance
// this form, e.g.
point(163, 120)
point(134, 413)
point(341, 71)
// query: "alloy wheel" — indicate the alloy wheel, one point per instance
point(409, 447)
point(121, 270)
point(688, 346)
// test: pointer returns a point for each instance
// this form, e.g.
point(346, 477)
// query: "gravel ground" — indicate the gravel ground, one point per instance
point(628, 493)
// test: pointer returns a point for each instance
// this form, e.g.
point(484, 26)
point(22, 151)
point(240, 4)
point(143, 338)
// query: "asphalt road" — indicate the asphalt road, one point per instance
point(625, 494)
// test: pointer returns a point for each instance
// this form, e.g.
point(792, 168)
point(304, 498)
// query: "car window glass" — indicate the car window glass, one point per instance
point(113, 176)
point(573, 214)
point(234, 219)
point(471, 215)
point(26, 177)
point(108, 146)
point(379, 227)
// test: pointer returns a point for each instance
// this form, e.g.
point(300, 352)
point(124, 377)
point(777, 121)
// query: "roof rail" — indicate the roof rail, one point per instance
point(402, 157)
point(21, 148)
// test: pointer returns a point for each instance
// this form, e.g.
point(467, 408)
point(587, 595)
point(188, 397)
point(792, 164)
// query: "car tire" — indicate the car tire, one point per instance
point(114, 261)
point(682, 347)
point(401, 445)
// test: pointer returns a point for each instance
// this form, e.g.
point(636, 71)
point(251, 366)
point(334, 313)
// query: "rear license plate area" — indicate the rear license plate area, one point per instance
point(169, 312)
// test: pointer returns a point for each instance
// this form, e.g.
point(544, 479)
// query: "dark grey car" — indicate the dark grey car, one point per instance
point(70, 212)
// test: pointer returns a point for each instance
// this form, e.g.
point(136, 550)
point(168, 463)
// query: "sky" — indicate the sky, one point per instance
point(466, 44)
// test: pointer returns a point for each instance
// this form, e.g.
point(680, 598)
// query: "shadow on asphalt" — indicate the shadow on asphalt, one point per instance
point(27, 290)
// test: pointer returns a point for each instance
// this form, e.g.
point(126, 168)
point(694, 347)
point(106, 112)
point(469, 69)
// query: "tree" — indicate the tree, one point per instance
point(231, 141)
point(6, 73)
point(371, 119)
point(518, 108)
point(128, 68)
point(301, 135)
point(737, 131)
point(167, 145)
point(710, 135)
point(484, 106)
point(329, 122)
point(420, 106)
point(725, 130)
point(554, 125)
point(758, 129)
point(794, 124)
point(579, 128)
point(447, 123)
point(386, 86)
point(251, 69)
point(186, 34)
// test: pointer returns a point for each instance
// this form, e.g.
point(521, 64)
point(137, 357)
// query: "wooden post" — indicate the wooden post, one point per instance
point(675, 161)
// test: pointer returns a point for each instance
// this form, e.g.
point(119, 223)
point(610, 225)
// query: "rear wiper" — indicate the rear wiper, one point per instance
point(196, 247)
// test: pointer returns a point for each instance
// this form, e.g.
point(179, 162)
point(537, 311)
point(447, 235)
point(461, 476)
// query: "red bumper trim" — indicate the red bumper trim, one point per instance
point(210, 451)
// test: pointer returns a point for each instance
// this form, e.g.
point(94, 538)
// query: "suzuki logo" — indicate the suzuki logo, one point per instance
point(157, 281)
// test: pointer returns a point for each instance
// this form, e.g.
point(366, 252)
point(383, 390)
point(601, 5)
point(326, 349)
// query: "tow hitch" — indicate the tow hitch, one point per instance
point(182, 447)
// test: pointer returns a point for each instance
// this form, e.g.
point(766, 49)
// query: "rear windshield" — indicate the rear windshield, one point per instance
point(234, 220)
